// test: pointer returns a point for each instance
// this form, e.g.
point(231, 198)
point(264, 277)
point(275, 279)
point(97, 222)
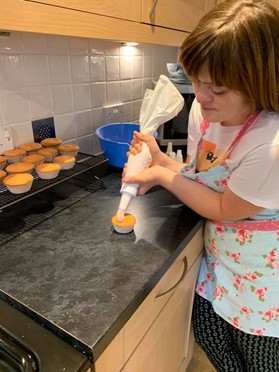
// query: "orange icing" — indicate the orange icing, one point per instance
point(129, 220)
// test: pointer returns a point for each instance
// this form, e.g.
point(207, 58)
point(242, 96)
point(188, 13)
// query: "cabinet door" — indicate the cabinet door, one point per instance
point(167, 346)
point(177, 14)
point(125, 9)
point(112, 358)
point(141, 321)
point(45, 16)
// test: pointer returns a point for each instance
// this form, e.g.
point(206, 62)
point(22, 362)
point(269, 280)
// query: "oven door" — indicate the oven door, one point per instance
point(14, 356)
point(26, 346)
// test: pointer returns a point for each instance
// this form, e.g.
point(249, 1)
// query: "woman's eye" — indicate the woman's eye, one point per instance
point(219, 93)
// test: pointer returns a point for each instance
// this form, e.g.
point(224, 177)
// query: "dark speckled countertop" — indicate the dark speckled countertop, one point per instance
point(79, 278)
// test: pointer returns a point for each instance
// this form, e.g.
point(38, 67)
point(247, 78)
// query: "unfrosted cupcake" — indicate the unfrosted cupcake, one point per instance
point(48, 171)
point(18, 183)
point(34, 159)
point(22, 167)
point(30, 147)
point(15, 155)
point(68, 149)
point(51, 142)
point(48, 153)
point(3, 161)
point(3, 174)
point(65, 161)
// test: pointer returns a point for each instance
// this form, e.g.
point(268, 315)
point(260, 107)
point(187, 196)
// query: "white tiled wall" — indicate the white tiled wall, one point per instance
point(72, 79)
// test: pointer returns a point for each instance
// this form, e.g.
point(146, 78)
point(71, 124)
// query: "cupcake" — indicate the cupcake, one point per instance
point(68, 149)
point(126, 226)
point(48, 153)
point(2, 175)
point(51, 142)
point(48, 171)
point(65, 161)
point(34, 159)
point(15, 155)
point(3, 162)
point(30, 147)
point(23, 167)
point(18, 183)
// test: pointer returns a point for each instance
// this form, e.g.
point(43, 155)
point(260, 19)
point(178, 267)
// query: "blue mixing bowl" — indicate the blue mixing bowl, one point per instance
point(115, 140)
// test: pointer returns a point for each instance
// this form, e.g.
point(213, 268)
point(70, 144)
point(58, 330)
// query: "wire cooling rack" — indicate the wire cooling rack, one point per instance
point(49, 197)
point(84, 162)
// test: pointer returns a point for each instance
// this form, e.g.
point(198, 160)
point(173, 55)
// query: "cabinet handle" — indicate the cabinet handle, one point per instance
point(152, 11)
point(173, 288)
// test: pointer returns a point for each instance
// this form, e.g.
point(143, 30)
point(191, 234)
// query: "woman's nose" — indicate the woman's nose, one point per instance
point(203, 95)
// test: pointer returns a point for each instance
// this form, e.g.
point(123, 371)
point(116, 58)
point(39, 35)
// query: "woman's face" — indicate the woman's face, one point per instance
point(219, 104)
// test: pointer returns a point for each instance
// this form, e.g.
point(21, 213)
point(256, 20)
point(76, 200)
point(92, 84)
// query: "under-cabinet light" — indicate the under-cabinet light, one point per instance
point(129, 43)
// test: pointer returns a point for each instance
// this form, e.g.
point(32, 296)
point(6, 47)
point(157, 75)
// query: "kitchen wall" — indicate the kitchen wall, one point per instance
point(72, 79)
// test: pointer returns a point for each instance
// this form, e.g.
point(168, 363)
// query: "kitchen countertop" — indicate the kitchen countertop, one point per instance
point(76, 276)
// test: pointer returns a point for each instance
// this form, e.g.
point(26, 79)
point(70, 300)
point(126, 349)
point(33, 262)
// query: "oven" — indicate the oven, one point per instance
point(26, 346)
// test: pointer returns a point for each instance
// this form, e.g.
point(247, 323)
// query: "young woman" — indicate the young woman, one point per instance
point(231, 178)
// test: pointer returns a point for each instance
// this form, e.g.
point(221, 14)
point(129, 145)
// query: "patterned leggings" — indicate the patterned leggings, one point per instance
point(228, 348)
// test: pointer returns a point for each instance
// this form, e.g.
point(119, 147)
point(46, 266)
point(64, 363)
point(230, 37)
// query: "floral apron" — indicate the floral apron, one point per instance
point(239, 273)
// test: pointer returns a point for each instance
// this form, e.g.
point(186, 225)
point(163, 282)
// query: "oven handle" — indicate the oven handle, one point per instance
point(10, 348)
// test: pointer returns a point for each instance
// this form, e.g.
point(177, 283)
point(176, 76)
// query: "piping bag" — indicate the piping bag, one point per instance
point(158, 106)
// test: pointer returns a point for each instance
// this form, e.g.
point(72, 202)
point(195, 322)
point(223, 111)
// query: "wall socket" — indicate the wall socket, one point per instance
point(114, 113)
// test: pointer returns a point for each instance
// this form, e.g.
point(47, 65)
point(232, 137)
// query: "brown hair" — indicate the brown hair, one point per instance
point(239, 39)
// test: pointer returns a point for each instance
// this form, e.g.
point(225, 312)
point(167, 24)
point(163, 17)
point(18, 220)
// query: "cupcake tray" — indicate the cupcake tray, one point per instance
point(83, 163)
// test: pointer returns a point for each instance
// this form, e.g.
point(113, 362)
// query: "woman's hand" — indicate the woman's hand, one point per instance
point(158, 157)
point(147, 179)
point(136, 147)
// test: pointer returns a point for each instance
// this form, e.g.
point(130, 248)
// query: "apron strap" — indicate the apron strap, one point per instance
point(249, 121)
point(247, 124)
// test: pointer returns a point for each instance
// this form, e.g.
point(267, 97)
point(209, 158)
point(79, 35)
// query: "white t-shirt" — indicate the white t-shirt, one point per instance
point(254, 161)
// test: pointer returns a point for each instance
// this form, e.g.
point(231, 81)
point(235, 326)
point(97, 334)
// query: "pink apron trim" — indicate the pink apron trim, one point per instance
point(249, 121)
point(204, 125)
point(265, 225)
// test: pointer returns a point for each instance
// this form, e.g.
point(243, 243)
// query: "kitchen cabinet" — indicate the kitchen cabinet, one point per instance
point(158, 338)
point(112, 359)
point(168, 344)
point(179, 15)
point(88, 19)
point(125, 9)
